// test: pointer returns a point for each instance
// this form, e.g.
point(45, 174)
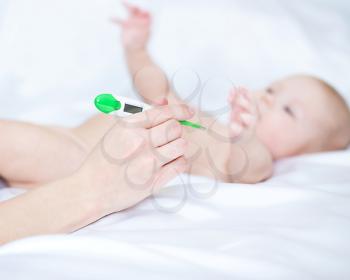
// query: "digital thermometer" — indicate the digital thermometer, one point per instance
point(123, 106)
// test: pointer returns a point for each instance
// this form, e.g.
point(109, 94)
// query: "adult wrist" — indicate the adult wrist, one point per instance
point(99, 195)
point(90, 198)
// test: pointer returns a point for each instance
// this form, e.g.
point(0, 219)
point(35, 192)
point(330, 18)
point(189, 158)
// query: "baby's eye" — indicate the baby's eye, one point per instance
point(269, 90)
point(289, 111)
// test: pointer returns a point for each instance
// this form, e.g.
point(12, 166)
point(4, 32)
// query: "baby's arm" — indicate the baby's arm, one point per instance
point(243, 118)
point(151, 83)
point(148, 78)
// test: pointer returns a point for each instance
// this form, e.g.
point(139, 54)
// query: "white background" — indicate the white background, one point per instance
point(57, 55)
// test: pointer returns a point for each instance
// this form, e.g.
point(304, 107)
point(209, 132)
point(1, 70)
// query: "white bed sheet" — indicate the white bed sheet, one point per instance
point(294, 226)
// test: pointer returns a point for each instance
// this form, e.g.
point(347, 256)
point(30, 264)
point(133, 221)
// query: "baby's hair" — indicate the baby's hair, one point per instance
point(340, 133)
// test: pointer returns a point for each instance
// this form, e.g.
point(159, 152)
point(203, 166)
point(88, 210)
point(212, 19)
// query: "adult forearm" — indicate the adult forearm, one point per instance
point(32, 154)
point(59, 207)
point(100, 186)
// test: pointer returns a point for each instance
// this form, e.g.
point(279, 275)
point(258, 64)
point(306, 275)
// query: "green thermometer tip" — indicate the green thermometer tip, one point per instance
point(191, 124)
point(106, 103)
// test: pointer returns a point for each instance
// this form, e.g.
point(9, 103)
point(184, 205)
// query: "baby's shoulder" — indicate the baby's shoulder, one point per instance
point(262, 169)
point(259, 162)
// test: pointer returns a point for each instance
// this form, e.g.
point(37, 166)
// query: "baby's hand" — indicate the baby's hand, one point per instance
point(136, 28)
point(244, 112)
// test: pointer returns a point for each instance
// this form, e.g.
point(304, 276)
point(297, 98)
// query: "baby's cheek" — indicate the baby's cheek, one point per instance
point(266, 127)
point(280, 136)
point(273, 131)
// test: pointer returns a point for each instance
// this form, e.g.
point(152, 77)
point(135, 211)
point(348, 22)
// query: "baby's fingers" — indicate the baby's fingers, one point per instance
point(238, 101)
point(253, 109)
point(247, 119)
point(131, 8)
point(243, 112)
point(235, 129)
point(235, 126)
point(248, 114)
point(232, 97)
point(136, 11)
point(244, 100)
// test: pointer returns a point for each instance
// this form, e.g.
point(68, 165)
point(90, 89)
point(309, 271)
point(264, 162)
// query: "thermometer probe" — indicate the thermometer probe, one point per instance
point(123, 106)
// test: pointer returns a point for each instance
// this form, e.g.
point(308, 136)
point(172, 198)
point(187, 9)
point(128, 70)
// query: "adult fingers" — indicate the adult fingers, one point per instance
point(170, 151)
point(158, 115)
point(120, 144)
point(164, 133)
point(169, 172)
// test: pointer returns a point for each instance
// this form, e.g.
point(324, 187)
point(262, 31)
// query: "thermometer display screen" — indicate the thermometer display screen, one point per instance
point(132, 109)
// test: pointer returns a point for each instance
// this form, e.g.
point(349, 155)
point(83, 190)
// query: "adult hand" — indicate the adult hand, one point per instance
point(136, 158)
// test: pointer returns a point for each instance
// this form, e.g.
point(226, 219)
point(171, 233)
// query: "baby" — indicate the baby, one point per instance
point(296, 115)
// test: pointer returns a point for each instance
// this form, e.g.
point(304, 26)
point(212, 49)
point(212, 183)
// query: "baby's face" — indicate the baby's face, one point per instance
point(290, 114)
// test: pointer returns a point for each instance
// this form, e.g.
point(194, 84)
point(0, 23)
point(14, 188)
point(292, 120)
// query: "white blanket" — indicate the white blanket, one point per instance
point(56, 55)
point(295, 226)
